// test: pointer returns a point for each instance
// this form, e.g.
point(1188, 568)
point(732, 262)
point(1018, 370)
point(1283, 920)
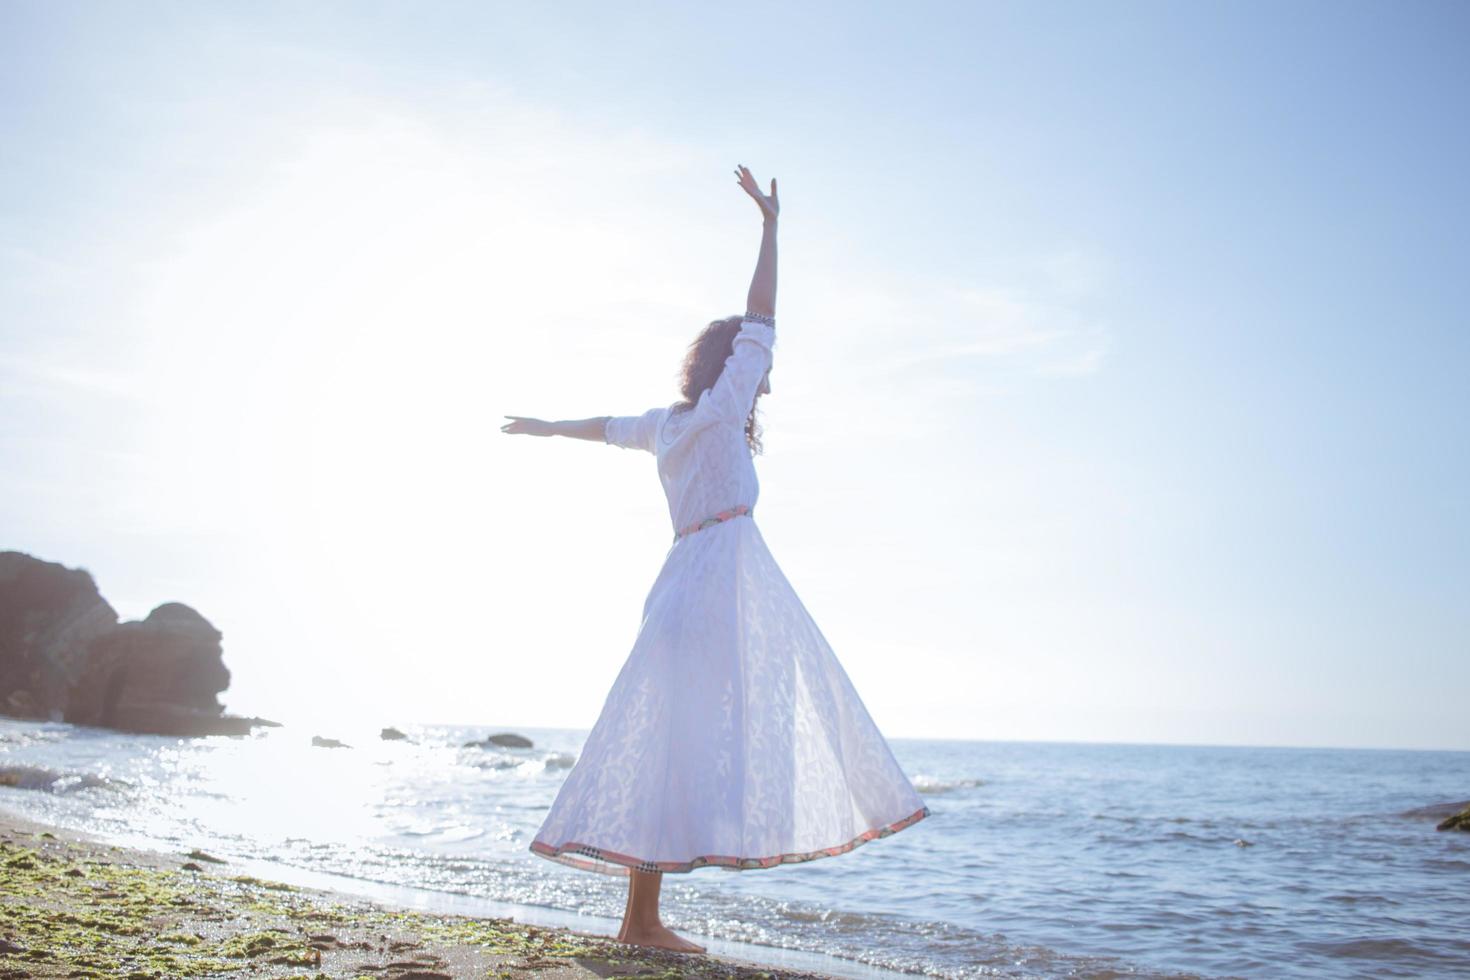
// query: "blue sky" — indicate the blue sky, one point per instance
point(1119, 392)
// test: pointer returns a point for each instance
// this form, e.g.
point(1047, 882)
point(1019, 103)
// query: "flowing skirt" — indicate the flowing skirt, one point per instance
point(732, 737)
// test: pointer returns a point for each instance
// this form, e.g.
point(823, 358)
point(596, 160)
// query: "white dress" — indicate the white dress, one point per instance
point(731, 737)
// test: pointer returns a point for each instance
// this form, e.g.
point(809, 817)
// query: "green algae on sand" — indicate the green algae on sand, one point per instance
point(77, 909)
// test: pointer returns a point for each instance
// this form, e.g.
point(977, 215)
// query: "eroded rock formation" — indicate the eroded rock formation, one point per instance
point(172, 661)
point(64, 656)
point(49, 614)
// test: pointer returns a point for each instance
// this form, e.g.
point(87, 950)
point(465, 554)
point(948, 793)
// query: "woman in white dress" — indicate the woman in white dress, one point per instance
point(732, 737)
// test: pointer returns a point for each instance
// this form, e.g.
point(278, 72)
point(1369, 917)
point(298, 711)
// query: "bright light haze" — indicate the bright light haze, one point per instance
point(1119, 392)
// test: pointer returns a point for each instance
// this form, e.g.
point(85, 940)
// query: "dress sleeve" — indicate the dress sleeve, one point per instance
point(733, 393)
point(634, 431)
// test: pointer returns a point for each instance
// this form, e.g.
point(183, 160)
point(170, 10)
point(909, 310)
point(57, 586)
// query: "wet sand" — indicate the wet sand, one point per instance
point(75, 906)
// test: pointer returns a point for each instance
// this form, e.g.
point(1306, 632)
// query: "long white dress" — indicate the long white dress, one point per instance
point(731, 737)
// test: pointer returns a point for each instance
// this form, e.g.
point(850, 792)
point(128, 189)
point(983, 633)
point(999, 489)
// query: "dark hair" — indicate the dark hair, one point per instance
point(702, 366)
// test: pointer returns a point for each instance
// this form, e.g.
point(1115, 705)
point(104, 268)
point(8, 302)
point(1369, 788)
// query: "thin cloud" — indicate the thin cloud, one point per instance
point(72, 377)
point(920, 326)
point(1088, 362)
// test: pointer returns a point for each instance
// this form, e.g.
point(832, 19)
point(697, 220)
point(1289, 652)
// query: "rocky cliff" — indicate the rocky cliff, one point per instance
point(65, 657)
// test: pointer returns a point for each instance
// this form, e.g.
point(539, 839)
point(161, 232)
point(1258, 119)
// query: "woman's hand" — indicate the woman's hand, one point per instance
point(522, 426)
point(769, 205)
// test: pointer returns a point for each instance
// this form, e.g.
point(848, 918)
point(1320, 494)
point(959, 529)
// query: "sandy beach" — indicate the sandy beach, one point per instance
point(75, 906)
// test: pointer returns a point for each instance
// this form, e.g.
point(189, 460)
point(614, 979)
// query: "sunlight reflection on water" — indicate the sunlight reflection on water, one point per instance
point(1040, 860)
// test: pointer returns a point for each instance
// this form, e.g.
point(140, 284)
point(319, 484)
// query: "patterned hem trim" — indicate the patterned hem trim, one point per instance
point(589, 858)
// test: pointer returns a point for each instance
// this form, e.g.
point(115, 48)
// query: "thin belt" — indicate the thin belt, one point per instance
point(723, 515)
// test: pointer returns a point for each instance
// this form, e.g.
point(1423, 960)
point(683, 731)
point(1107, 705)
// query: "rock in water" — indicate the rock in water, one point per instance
point(391, 735)
point(49, 614)
point(506, 740)
point(1460, 821)
point(328, 743)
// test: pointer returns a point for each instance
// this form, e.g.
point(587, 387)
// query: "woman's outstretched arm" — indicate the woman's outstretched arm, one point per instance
point(574, 428)
point(762, 297)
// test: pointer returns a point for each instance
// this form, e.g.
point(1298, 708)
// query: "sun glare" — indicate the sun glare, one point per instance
point(336, 349)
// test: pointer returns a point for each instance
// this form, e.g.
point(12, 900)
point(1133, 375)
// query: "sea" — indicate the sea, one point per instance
point(1039, 859)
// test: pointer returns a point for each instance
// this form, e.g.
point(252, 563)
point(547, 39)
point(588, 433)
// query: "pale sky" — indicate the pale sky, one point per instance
point(1119, 395)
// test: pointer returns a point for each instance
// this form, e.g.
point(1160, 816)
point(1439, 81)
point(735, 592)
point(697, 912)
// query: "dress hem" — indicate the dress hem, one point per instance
point(589, 858)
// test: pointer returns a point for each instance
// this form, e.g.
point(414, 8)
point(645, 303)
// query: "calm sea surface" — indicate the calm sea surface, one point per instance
point(1039, 859)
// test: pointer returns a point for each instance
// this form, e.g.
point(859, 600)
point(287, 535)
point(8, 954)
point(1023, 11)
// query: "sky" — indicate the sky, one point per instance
point(1119, 393)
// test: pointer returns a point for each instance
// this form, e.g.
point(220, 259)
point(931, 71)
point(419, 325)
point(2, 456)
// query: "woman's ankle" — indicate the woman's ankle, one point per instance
point(642, 922)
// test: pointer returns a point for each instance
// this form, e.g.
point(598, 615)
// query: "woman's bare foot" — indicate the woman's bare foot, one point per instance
point(658, 935)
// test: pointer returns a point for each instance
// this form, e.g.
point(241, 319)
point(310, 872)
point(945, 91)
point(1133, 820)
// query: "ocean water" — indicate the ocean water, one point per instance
point(1039, 859)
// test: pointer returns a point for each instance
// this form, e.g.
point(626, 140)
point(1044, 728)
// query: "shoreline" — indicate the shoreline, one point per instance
point(74, 905)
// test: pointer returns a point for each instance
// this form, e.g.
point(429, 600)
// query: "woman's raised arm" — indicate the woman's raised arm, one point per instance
point(762, 298)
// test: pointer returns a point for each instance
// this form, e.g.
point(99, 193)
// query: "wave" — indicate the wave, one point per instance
point(1370, 949)
point(552, 761)
point(935, 786)
point(1436, 811)
point(51, 781)
point(11, 733)
point(888, 942)
point(493, 760)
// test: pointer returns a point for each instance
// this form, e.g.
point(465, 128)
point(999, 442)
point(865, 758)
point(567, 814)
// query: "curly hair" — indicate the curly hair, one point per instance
point(702, 366)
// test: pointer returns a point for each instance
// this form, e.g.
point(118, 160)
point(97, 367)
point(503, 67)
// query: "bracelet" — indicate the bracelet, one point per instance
point(769, 321)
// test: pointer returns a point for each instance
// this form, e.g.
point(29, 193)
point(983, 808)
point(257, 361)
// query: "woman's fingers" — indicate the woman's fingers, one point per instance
point(768, 203)
point(523, 425)
point(747, 183)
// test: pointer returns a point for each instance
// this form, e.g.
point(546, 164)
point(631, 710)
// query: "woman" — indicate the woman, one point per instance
point(732, 737)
